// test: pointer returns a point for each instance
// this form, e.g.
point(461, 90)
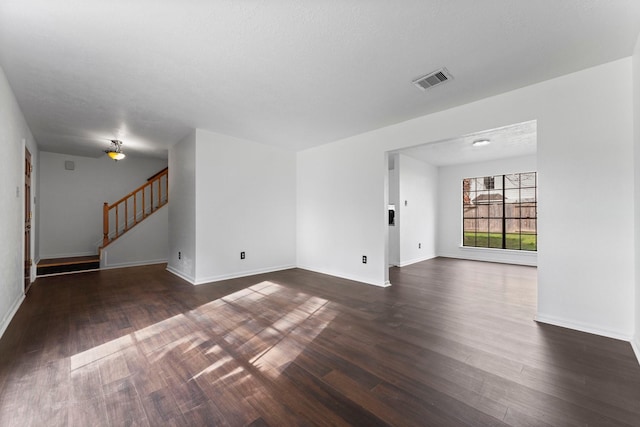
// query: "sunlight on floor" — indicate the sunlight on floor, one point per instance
point(240, 331)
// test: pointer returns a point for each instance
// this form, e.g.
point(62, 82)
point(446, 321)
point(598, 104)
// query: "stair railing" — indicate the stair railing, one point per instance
point(121, 216)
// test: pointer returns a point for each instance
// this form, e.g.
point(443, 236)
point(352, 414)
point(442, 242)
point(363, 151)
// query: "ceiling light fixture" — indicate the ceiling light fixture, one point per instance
point(115, 152)
point(481, 142)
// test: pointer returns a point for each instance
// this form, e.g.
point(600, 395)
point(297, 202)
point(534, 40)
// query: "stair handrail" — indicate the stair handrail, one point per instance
point(155, 175)
point(147, 208)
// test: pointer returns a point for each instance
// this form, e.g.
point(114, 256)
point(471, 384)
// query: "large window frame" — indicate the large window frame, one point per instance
point(500, 211)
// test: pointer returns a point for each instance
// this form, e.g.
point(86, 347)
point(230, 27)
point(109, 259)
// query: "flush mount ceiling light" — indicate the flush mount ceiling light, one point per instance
point(481, 142)
point(115, 152)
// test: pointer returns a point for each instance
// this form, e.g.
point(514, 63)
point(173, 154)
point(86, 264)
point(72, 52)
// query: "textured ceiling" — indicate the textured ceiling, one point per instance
point(519, 139)
point(288, 73)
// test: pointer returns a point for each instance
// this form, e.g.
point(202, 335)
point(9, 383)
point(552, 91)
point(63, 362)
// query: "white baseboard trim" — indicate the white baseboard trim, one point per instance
point(582, 327)
point(635, 345)
point(9, 316)
point(347, 277)
point(211, 279)
point(181, 275)
point(33, 272)
point(414, 261)
point(134, 264)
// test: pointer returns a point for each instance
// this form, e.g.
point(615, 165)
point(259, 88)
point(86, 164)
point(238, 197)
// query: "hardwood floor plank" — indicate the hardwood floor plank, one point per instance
point(258, 423)
point(361, 396)
point(85, 383)
point(90, 412)
point(124, 406)
point(113, 368)
point(187, 395)
point(273, 412)
point(161, 409)
point(206, 415)
point(330, 398)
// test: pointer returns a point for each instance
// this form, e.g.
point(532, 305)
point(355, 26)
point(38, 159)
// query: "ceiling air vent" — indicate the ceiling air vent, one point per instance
point(433, 79)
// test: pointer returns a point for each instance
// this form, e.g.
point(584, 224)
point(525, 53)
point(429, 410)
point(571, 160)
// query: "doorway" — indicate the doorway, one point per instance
point(27, 219)
point(425, 183)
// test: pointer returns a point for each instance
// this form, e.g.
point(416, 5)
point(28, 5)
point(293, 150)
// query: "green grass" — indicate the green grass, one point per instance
point(526, 242)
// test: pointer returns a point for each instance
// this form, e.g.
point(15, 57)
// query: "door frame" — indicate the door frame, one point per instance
point(28, 217)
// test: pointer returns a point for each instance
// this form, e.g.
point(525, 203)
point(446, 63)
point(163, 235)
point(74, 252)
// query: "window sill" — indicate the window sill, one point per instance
point(497, 250)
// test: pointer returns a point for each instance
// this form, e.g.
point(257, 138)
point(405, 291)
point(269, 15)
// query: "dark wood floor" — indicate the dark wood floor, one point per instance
point(451, 343)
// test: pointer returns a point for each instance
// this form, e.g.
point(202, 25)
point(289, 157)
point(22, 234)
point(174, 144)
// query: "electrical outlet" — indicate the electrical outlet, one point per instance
point(242, 255)
point(179, 255)
point(364, 259)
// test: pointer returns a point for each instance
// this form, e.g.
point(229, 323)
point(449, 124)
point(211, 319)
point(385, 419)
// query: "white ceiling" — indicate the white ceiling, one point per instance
point(519, 139)
point(292, 73)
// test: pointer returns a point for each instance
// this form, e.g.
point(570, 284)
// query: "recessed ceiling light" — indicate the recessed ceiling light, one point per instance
point(481, 142)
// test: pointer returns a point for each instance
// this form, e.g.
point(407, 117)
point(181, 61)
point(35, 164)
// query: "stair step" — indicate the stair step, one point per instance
point(68, 265)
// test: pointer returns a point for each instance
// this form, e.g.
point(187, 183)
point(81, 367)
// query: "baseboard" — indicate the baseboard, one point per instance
point(9, 316)
point(211, 279)
point(635, 345)
point(134, 264)
point(415, 260)
point(181, 275)
point(34, 270)
point(347, 277)
point(582, 327)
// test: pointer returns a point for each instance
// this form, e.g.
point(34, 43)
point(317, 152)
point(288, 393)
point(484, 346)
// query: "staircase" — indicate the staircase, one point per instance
point(47, 267)
point(118, 218)
point(135, 207)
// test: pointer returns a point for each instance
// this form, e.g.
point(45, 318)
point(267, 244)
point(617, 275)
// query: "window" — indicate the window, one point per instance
point(501, 211)
point(489, 182)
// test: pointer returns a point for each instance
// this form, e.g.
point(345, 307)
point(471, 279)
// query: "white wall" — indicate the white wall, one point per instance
point(586, 261)
point(585, 136)
point(245, 201)
point(450, 209)
point(182, 208)
point(342, 211)
point(418, 218)
point(71, 201)
point(146, 243)
point(636, 115)
point(14, 136)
